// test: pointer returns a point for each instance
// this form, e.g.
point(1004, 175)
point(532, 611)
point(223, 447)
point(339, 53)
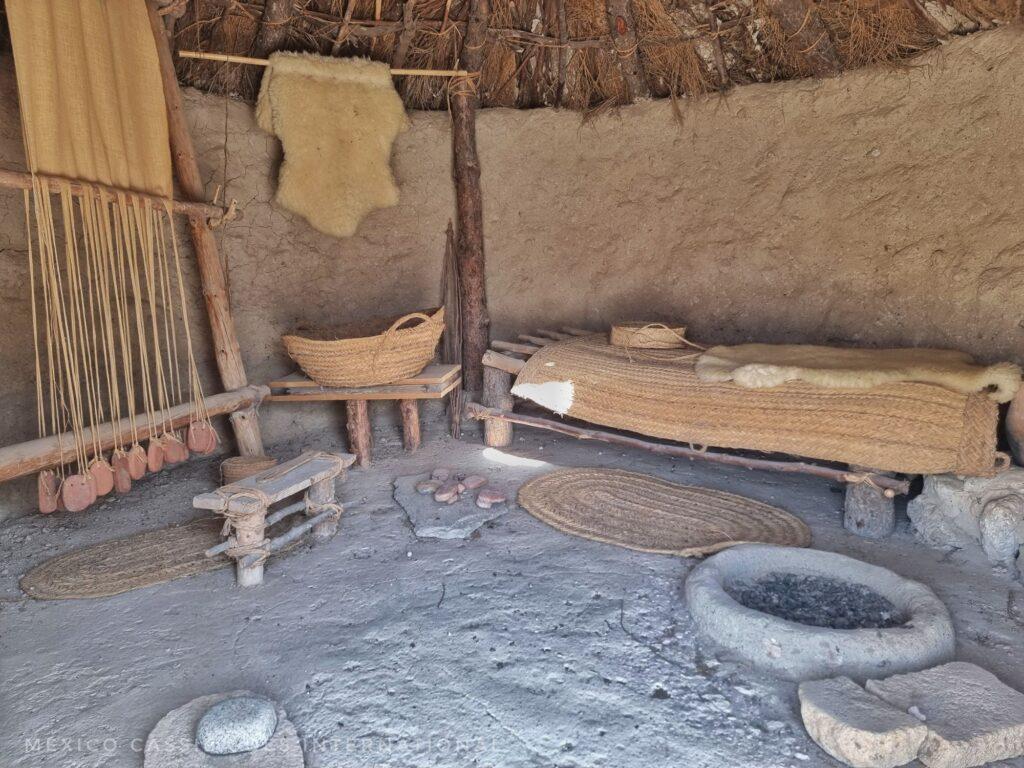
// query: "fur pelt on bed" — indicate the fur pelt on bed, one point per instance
point(336, 119)
point(757, 366)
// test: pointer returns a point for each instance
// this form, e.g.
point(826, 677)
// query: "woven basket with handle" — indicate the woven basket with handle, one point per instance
point(398, 350)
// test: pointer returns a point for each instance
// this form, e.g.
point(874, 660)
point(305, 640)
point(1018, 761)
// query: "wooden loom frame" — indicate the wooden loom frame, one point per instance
point(869, 507)
point(239, 400)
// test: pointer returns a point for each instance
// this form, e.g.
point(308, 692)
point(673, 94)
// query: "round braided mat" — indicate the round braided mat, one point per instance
point(652, 515)
point(128, 563)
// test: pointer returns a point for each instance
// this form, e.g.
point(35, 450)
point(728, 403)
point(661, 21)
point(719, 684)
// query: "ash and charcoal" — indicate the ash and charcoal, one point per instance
point(817, 601)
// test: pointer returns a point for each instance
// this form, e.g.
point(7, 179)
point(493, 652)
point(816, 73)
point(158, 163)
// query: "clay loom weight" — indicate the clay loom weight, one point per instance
point(245, 507)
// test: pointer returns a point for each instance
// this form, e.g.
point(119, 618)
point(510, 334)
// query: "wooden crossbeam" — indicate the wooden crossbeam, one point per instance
point(30, 457)
point(212, 214)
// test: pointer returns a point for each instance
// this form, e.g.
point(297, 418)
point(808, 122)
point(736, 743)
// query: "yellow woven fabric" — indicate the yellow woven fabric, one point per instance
point(904, 427)
point(92, 102)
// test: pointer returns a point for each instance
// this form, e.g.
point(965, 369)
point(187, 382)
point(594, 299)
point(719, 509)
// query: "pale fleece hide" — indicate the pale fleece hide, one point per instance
point(757, 366)
point(337, 119)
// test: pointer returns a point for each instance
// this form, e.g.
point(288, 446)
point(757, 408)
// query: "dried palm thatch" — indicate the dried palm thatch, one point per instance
point(583, 54)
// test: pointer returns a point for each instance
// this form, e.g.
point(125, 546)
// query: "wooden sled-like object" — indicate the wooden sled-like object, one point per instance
point(246, 504)
point(869, 506)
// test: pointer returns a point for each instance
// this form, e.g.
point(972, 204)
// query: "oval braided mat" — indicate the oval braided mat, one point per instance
point(648, 514)
point(128, 563)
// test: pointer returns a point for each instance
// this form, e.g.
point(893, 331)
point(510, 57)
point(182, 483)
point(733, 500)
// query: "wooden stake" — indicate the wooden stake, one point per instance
point(410, 410)
point(469, 201)
point(186, 166)
point(360, 432)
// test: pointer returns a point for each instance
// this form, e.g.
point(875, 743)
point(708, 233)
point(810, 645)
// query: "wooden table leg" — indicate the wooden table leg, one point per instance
point(360, 434)
point(319, 494)
point(410, 410)
point(252, 575)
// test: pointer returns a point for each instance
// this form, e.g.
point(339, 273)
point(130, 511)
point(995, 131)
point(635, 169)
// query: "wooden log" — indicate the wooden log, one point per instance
point(477, 411)
point(321, 493)
point(360, 432)
point(497, 394)
point(1015, 427)
point(511, 346)
point(554, 335)
point(623, 33)
point(806, 33)
point(868, 511)
point(222, 326)
point(539, 341)
point(502, 362)
point(30, 457)
point(214, 214)
point(410, 410)
point(578, 331)
point(469, 210)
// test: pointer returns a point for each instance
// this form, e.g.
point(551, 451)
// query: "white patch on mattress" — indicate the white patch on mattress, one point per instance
point(554, 395)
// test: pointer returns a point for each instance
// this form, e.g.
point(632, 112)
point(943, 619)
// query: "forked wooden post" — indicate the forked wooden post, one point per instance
point(222, 326)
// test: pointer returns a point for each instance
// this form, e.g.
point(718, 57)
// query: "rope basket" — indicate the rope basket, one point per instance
point(240, 467)
point(636, 335)
point(388, 350)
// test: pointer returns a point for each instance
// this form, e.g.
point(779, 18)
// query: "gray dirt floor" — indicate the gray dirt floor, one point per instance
point(520, 646)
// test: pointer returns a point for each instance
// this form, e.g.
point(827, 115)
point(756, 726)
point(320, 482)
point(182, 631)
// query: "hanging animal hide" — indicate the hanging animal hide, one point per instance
point(756, 366)
point(337, 119)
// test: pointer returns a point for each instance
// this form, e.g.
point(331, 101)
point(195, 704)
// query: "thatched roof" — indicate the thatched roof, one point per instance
point(581, 54)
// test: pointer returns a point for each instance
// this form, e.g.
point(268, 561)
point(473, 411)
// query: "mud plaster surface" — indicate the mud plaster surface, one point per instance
point(880, 207)
point(521, 646)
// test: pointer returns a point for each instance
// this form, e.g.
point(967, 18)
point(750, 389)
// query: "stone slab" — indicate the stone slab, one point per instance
point(436, 520)
point(856, 727)
point(972, 717)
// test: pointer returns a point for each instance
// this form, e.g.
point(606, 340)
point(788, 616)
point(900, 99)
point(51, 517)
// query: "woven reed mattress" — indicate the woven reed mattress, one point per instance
point(906, 427)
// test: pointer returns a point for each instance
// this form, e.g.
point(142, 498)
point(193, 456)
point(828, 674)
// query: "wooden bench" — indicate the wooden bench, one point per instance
point(869, 507)
point(434, 382)
point(245, 506)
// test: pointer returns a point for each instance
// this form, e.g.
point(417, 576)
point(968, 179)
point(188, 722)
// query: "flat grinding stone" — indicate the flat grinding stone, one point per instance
point(435, 520)
point(972, 717)
point(240, 724)
point(172, 743)
point(858, 728)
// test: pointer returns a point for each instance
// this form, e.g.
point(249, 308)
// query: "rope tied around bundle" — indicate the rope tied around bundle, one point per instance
point(316, 508)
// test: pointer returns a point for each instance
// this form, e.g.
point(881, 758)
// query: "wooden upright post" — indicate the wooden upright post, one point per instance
point(211, 274)
point(468, 198)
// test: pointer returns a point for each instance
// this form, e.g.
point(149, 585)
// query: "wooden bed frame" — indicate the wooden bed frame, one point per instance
point(869, 509)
